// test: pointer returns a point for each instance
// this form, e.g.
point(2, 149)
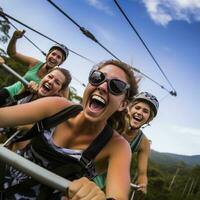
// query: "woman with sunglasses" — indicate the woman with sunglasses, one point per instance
point(109, 90)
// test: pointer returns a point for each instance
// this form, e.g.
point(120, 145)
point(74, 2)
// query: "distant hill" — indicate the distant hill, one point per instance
point(173, 159)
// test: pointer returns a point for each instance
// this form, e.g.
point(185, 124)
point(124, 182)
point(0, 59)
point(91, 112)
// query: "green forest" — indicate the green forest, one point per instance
point(170, 177)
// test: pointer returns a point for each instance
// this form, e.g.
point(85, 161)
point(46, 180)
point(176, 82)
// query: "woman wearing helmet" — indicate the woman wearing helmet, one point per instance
point(37, 69)
point(141, 111)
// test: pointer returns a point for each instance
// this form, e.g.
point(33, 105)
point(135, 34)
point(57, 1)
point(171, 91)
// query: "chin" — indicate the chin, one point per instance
point(135, 126)
point(93, 118)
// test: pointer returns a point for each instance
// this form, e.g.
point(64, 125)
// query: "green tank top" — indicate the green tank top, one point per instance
point(30, 75)
point(100, 180)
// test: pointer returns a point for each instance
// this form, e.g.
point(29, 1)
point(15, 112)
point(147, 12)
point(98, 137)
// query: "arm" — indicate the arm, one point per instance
point(118, 176)
point(31, 112)
point(142, 164)
point(11, 50)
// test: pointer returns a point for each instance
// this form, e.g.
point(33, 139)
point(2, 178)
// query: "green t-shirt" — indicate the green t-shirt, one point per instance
point(100, 180)
point(30, 75)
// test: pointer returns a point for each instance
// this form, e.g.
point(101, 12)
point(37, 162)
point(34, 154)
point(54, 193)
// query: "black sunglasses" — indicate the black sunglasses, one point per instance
point(115, 86)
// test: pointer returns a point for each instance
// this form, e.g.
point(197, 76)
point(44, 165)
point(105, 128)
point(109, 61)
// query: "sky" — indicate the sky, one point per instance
point(170, 29)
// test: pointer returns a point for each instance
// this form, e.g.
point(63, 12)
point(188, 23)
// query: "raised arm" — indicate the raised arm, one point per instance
point(142, 164)
point(118, 174)
point(31, 112)
point(12, 52)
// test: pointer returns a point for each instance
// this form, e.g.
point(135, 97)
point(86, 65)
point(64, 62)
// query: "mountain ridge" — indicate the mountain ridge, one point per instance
point(164, 157)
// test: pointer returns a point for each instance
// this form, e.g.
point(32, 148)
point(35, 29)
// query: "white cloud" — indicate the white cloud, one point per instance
point(186, 130)
point(98, 4)
point(164, 11)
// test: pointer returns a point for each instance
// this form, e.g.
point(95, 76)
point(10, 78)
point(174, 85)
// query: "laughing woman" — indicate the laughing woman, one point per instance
point(110, 87)
point(36, 69)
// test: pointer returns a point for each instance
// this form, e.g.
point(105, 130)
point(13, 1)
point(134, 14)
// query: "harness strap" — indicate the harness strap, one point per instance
point(136, 141)
point(98, 143)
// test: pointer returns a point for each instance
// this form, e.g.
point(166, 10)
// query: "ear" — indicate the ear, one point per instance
point(123, 105)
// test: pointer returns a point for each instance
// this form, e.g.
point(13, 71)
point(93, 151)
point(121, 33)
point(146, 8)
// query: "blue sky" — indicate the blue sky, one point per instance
point(170, 29)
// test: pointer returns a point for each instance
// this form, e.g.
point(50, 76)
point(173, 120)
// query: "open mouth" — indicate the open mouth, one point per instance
point(52, 62)
point(137, 118)
point(97, 103)
point(46, 87)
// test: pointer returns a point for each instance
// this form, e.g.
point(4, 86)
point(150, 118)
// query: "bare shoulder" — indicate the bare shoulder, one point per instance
point(119, 143)
point(114, 151)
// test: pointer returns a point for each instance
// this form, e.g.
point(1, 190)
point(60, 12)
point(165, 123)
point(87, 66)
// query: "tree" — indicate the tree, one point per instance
point(4, 29)
point(73, 95)
point(7, 78)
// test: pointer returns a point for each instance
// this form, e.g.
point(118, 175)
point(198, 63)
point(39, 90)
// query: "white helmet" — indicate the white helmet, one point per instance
point(150, 99)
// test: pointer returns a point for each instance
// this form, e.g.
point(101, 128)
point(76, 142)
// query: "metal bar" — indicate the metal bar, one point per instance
point(11, 71)
point(135, 186)
point(38, 173)
point(132, 195)
point(10, 138)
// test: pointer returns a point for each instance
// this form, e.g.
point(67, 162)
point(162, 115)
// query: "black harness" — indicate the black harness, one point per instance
point(63, 165)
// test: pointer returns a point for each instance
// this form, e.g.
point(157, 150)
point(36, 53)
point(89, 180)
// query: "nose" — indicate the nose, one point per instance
point(139, 111)
point(103, 87)
point(51, 81)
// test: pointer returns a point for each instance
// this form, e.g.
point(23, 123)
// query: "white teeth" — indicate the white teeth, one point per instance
point(137, 117)
point(99, 99)
point(47, 85)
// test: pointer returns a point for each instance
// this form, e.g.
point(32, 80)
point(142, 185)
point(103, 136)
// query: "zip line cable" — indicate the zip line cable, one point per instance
point(36, 45)
point(173, 93)
point(86, 32)
point(25, 36)
point(162, 87)
point(4, 14)
point(92, 37)
point(39, 48)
